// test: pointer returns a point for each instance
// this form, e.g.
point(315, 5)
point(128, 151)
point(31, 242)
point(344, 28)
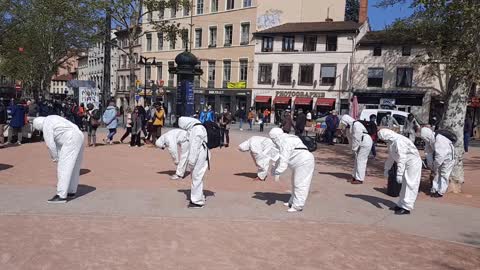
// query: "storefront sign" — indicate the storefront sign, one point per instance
point(216, 92)
point(310, 94)
point(88, 95)
point(387, 101)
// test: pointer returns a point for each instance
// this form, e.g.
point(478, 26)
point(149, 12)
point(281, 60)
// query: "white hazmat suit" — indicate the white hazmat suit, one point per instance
point(198, 157)
point(65, 144)
point(172, 140)
point(409, 166)
point(361, 143)
point(262, 150)
point(294, 155)
point(440, 159)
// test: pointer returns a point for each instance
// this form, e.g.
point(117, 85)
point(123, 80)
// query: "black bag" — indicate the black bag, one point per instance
point(96, 114)
point(447, 134)
point(309, 142)
point(213, 134)
point(393, 187)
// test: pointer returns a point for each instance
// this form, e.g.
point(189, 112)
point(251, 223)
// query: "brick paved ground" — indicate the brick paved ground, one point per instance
point(129, 215)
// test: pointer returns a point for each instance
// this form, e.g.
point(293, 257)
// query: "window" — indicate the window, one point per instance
point(149, 42)
point(230, 4)
point(213, 37)
point(331, 43)
point(199, 7)
point(406, 50)
point(288, 44)
point(247, 3)
point(198, 38)
point(124, 61)
point(159, 71)
point(211, 71)
point(173, 40)
point(184, 38)
point(375, 77)
point(243, 70)
point(228, 35)
point(404, 77)
point(328, 73)
point(377, 51)
point(227, 70)
point(135, 57)
point(186, 10)
point(264, 73)
point(285, 74)
point(171, 76)
point(148, 73)
point(267, 44)
point(214, 6)
point(245, 34)
point(173, 12)
point(161, 13)
point(160, 41)
point(310, 43)
point(306, 75)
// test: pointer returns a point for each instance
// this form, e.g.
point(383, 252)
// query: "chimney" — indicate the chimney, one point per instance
point(363, 11)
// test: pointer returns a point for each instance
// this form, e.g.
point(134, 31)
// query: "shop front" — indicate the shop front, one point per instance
point(304, 103)
point(325, 105)
point(219, 100)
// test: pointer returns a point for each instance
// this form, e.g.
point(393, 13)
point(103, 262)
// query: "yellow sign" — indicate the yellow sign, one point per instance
point(237, 85)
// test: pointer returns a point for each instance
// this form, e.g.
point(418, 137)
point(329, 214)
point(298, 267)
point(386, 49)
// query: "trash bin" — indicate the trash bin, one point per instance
point(393, 187)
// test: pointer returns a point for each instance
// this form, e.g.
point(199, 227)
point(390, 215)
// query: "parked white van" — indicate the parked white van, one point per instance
point(400, 116)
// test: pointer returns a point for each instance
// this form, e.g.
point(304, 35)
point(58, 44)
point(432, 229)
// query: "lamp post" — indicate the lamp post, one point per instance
point(144, 61)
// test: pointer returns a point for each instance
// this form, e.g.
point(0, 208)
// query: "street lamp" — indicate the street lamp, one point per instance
point(144, 61)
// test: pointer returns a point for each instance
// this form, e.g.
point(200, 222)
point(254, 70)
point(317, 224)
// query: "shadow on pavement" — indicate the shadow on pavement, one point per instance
point(346, 176)
point(271, 197)
point(206, 192)
point(247, 174)
point(83, 190)
point(9, 145)
point(84, 171)
point(375, 201)
point(170, 172)
point(472, 238)
point(5, 166)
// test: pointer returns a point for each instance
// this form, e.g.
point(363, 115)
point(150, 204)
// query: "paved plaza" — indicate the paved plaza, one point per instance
point(129, 215)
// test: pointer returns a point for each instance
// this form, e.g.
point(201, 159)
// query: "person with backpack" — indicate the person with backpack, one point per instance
point(172, 140)
point(361, 143)
point(110, 120)
point(93, 122)
point(262, 149)
point(404, 153)
point(198, 158)
point(440, 152)
point(294, 155)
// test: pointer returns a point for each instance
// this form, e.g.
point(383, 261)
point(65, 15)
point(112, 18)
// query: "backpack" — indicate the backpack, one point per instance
point(95, 119)
point(447, 134)
point(213, 134)
point(309, 142)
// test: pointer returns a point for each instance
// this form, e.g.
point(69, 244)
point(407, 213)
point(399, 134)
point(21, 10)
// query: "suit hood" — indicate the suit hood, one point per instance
point(427, 135)
point(347, 120)
point(388, 135)
point(186, 123)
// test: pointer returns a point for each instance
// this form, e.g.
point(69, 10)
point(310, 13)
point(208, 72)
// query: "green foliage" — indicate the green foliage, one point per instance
point(352, 8)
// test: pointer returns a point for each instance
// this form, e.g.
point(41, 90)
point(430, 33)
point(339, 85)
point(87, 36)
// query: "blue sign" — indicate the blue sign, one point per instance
point(189, 98)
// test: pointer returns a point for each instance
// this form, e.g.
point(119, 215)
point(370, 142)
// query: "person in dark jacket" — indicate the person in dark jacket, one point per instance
point(287, 122)
point(17, 111)
point(3, 119)
point(332, 123)
point(242, 117)
point(467, 131)
point(300, 123)
point(137, 120)
point(372, 130)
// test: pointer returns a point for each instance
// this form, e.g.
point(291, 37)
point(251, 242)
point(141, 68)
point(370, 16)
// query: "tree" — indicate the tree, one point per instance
point(352, 7)
point(450, 30)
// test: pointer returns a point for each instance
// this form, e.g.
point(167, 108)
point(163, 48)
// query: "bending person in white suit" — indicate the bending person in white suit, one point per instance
point(262, 150)
point(65, 144)
point(172, 140)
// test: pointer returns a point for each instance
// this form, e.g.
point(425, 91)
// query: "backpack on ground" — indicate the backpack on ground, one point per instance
point(309, 142)
point(447, 134)
point(213, 134)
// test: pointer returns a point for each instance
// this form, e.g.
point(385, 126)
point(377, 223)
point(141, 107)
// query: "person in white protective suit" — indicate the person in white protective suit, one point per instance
point(65, 144)
point(409, 168)
point(198, 158)
point(294, 155)
point(440, 154)
point(172, 140)
point(361, 144)
point(263, 150)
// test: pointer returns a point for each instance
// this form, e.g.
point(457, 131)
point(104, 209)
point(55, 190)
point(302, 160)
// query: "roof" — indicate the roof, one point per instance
point(387, 38)
point(312, 27)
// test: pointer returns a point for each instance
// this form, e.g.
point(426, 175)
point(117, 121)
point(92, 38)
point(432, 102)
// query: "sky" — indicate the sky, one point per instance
point(381, 17)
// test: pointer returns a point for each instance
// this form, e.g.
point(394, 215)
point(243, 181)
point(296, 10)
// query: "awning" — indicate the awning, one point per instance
point(326, 102)
point(263, 99)
point(282, 100)
point(303, 101)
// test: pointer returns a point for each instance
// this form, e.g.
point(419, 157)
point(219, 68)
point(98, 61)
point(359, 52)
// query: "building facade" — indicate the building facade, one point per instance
point(95, 67)
point(305, 65)
point(221, 37)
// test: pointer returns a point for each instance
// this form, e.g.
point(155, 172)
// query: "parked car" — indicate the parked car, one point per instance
point(400, 116)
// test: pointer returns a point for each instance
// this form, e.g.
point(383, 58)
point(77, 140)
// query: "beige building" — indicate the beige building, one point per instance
point(221, 37)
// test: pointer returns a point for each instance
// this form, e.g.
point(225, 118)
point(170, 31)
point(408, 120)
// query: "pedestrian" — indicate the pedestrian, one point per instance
point(409, 168)
point(332, 123)
point(225, 121)
point(198, 158)
point(263, 150)
point(467, 131)
point(372, 130)
point(241, 116)
point(128, 125)
point(361, 144)
point(440, 158)
point(261, 121)
point(203, 116)
point(172, 140)
point(158, 122)
point(251, 118)
point(93, 122)
point(410, 128)
point(266, 115)
point(65, 144)
point(210, 116)
point(389, 121)
point(294, 155)
point(300, 123)
point(3, 119)
point(110, 120)
point(137, 126)
point(17, 122)
point(287, 122)
point(32, 109)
